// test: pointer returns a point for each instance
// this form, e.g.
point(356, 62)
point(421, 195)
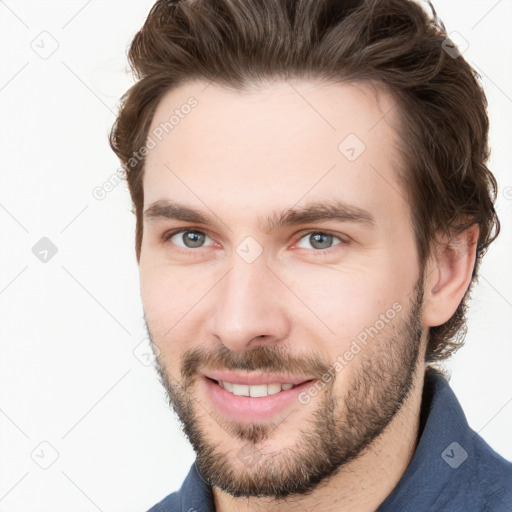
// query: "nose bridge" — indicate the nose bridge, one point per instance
point(248, 305)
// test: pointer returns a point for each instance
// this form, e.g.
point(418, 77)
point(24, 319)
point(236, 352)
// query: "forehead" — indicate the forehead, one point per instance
point(275, 144)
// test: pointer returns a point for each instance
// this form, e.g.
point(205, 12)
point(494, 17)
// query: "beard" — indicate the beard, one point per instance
point(340, 427)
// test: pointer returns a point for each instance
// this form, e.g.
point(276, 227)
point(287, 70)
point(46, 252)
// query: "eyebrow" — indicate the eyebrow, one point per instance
point(317, 211)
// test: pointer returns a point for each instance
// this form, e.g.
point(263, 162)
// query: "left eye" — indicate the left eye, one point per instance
point(189, 239)
point(318, 240)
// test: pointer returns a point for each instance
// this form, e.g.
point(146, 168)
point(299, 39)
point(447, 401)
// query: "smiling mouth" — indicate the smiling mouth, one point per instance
point(255, 391)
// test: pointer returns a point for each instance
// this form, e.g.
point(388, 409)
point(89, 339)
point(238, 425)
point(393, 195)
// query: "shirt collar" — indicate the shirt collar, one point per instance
point(445, 444)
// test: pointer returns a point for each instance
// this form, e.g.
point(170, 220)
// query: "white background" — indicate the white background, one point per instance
point(69, 377)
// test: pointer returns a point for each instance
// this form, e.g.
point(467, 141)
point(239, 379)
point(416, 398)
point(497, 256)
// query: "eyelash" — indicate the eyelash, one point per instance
point(317, 252)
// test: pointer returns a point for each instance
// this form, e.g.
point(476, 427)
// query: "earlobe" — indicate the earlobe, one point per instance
point(448, 276)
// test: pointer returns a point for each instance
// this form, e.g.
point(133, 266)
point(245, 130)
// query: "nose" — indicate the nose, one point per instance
point(250, 308)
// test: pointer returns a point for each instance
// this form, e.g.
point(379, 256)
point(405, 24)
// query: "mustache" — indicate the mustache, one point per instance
point(264, 358)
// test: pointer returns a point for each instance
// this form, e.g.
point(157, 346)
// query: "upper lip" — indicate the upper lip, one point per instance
point(255, 379)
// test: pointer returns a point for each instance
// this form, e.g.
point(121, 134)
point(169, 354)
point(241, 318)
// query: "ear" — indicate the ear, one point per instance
point(448, 275)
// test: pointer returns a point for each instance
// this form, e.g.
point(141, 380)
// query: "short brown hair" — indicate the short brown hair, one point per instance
point(239, 43)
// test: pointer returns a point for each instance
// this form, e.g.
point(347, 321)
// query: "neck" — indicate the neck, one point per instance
point(361, 485)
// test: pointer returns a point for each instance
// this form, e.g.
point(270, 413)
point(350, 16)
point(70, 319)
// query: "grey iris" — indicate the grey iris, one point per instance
point(320, 240)
point(193, 239)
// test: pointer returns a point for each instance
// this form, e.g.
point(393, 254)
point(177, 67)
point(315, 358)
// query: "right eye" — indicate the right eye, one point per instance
point(188, 239)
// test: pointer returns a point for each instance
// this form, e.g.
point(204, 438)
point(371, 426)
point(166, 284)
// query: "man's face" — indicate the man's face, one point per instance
point(300, 269)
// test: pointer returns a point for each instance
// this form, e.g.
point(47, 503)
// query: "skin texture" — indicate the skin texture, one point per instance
point(288, 302)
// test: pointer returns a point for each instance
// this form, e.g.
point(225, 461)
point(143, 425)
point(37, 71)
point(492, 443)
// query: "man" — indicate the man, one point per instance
point(312, 201)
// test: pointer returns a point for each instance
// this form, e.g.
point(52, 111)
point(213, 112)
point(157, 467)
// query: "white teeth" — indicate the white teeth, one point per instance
point(240, 390)
point(256, 391)
point(272, 389)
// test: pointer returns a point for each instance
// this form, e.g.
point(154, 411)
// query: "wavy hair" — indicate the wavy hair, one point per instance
point(396, 43)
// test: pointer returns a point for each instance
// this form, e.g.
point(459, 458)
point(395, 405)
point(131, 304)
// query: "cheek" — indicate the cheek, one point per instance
point(163, 304)
point(164, 298)
point(347, 301)
point(174, 301)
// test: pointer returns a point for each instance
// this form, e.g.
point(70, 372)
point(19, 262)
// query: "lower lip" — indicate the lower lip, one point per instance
point(246, 409)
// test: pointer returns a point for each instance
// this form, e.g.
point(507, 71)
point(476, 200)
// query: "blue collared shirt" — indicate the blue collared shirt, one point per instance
point(453, 469)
